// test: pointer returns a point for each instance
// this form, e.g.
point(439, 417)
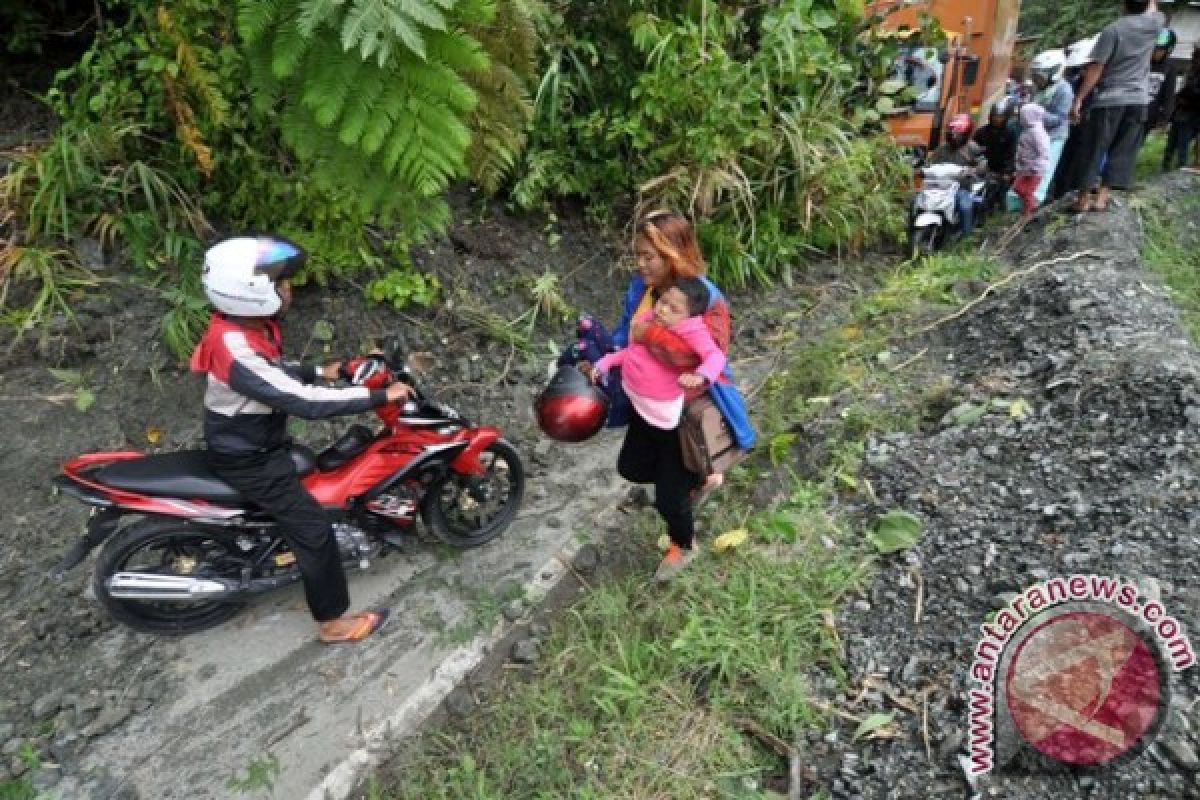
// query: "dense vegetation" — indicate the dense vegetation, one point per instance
point(1061, 22)
point(343, 123)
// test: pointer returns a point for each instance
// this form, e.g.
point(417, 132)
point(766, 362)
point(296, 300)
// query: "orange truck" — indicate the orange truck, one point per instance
point(966, 73)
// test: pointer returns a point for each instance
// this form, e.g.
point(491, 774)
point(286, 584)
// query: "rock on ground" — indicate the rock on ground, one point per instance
point(1103, 477)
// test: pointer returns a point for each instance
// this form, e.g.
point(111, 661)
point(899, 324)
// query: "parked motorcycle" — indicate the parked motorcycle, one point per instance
point(181, 551)
point(935, 207)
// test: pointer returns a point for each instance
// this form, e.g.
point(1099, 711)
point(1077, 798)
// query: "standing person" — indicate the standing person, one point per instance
point(1118, 71)
point(1033, 158)
point(1185, 123)
point(250, 392)
point(656, 390)
point(1164, 80)
point(1068, 175)
point(1056, 96)
point(666, 249)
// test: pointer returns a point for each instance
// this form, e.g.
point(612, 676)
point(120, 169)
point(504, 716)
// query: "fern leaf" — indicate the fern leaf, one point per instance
point(458, 50)
point(287, 52)
point(409, 34)
point(359, 110)
point(254, 18)
point(380, 123)
point(369, 26)
point(422, 13)
point(332, 83)
point(313, 14)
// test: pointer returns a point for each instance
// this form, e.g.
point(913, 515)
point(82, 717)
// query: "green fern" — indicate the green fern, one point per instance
point(501, 119)
point(394, 98)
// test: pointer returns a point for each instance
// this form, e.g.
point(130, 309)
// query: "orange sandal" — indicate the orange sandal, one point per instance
point(364, 624)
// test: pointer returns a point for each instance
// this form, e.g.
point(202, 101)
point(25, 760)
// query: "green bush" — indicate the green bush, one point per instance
point(336, 123)
point(758, 121)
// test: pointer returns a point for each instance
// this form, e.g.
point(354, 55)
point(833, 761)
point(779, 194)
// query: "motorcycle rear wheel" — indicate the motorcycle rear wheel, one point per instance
point(171, 547)
point(454, 514)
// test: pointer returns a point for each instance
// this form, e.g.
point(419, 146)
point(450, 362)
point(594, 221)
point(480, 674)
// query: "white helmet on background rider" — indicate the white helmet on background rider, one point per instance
point(1049, 66)
point(1080, 53)
point(240, 273)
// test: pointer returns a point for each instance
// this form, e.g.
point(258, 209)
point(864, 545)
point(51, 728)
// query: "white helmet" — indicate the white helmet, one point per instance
point(1080, 53)
point(1049, 64)
point(240, 273)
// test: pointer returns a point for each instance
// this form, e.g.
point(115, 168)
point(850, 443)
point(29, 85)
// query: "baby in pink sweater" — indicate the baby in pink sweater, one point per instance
point(655, 388)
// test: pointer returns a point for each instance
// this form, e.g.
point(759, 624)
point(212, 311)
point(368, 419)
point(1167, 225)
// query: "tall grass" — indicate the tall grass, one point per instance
point(1171, 248)
point(646, 692)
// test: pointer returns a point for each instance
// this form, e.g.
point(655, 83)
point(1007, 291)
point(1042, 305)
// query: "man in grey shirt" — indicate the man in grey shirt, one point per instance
point(1119, 72)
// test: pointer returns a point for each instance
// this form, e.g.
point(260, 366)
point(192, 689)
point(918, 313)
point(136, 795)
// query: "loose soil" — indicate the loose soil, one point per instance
point(109, 711)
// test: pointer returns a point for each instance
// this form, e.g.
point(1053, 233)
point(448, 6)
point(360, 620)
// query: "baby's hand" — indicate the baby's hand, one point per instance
point(637, 329)
point(690, 380)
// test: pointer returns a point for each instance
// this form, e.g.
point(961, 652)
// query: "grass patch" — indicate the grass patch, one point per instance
point(17, 790)
point(643, 692)
point(1170, 249)
point(649, 692)
point(1150, 157)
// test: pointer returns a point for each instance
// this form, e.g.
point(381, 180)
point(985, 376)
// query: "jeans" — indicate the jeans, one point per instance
point(1184, 130)
point(966, 211)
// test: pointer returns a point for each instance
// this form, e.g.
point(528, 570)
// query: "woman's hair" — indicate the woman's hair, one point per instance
point(695, 292)
point(675, 240)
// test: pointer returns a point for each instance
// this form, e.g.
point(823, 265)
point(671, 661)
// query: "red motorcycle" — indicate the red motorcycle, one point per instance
point(198, 551)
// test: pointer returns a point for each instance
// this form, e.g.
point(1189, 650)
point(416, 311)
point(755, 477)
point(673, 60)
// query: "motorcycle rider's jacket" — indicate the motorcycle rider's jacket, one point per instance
point(251, 390)
point(968, 154)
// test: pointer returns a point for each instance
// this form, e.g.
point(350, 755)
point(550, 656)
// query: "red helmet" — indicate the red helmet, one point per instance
point(960, 125)
point(570, 408)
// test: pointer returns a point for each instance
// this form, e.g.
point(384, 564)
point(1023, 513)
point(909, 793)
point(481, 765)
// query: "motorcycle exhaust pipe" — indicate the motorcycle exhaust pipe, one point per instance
point(154, 586)
point(151, 586)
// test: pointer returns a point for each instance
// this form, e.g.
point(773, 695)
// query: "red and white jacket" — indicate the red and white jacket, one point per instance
point(251, 390)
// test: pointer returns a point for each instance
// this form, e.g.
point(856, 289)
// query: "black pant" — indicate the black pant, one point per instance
point(1068, 175)
point(652, 455)
point(1183, 132)
point(269, 481)
point(1115, 133)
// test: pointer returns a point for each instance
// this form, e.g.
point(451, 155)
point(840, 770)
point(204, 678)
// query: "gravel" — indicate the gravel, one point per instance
point(1102, 476)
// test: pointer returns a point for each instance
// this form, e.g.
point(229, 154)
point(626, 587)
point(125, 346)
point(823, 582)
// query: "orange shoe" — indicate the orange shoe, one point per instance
point(674, 562)
point(353, 628)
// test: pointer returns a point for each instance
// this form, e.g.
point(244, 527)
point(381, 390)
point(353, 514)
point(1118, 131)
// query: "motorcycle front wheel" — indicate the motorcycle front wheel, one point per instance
point(471, 510)
point(925, 241)
point(167, 547)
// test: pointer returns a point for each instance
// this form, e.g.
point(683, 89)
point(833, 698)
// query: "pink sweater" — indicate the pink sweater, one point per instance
point(648, 377)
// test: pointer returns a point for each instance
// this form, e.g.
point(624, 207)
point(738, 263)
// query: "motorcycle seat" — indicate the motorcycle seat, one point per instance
point(185, 475)
point(357, 439)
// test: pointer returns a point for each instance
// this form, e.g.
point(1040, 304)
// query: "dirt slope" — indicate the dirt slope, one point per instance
point(1102, 477)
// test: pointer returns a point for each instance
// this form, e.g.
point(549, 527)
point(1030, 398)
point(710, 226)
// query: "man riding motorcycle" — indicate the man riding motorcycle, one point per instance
point(251, 391)
point(960, 150)
point(999, 143)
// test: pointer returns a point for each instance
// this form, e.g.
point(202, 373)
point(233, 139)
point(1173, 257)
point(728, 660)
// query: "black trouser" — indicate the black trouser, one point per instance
point(652, 455)
point(1068, 172)
point(1182, 133)
point(269, 481)
point(1115, 132)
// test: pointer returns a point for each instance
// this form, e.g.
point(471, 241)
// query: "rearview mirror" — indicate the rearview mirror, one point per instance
point(971, 70)
point(396, 352)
